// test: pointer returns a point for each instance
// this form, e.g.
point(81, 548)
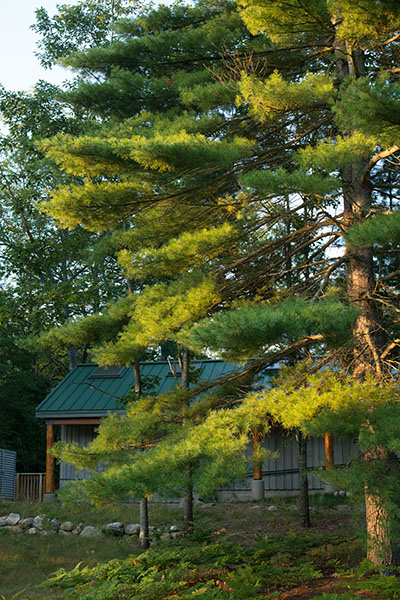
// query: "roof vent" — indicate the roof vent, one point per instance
point(107, 373)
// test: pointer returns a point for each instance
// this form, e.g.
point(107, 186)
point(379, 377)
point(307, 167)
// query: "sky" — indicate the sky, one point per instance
point(19, 68)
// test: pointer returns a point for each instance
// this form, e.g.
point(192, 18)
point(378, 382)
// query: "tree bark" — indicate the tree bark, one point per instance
point(368, 333)
point(188, 497)
point(143, 504)
point(144, 523)
point(304, 506)
point(257, 464)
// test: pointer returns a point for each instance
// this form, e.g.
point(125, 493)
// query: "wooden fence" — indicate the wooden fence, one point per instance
point(30, 486)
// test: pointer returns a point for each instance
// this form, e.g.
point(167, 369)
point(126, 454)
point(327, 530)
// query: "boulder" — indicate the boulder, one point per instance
point(63, 532)
point(90, 531)
point(13, 519)
point(3, 521)
point(66, 526)
point(32, 531)
point(38, 522)
point(116, 528)
point(175, 528)
point(78, 529)
point(132, 529)
point(26, 523)
point(15, 529)
point(54, 524)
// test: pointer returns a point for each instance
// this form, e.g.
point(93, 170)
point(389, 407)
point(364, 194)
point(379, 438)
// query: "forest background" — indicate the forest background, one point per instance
point(221, 178)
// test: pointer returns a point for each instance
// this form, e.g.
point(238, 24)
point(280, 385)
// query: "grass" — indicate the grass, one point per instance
point(26, 561)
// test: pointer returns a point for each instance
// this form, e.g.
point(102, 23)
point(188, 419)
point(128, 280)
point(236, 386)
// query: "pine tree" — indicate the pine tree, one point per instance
point(315, 122)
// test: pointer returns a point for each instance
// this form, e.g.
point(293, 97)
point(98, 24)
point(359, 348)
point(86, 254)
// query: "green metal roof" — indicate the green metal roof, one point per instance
point(88, 391)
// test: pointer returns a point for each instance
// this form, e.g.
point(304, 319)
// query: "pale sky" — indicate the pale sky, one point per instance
point(19, 68)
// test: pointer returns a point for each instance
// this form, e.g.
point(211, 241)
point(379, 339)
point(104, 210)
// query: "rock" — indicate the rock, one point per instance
point(271, 508)
point(13, 519)
point(175, 528)
point(256, 506)
point(205, 505)
point(132, 529)
point(78, 529)
point(32, 531)
point(66, 526)
point(44, 532)
point(63, 532)
point(165, 537)
point(3, 521)
point(26, 523)
point(54, 524)
point(90, 531)
point(15, 529)
point(176, 534)
point(38, 522)
point(116, 528)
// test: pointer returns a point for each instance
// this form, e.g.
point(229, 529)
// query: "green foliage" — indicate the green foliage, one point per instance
point(186, 570)
point(267, 183)
point(370, 106)
point(189, 250)
point(286, 23)
point(274, 96)
point(86, 24)
point(338, 153)
point(21, 389)
point(249, 330)
point(381, 230)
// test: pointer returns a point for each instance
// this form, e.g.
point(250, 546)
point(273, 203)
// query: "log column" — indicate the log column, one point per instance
point(328, 451)
point(257, 485)
point(50, 480)
point(329, 463)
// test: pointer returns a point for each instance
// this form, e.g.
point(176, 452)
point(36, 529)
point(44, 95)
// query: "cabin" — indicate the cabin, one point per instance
point(74, 409)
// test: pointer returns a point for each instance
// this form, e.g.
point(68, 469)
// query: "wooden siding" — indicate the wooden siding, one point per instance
point(82, 435)
point(30, 487)
point(280, 474)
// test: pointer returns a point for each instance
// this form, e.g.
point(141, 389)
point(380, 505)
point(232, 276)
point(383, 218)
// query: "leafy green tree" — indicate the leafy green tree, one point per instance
point(49, 275)
point(21, 389)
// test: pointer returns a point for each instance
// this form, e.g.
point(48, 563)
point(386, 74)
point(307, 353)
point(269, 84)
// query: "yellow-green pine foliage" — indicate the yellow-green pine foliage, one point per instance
point(255, 329)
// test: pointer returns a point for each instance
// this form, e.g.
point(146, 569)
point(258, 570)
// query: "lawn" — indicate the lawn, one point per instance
point(240, 551)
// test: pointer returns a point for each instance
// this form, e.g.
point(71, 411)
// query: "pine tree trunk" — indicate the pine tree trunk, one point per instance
point(369, 339)
point(144, 523)
point(368, 334)
point(188, 504)
point(188, 497)
point(304, 506)
point(143, 504)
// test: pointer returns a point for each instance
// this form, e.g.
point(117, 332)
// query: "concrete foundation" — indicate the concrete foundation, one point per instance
point(49, 498)
point(257, 489)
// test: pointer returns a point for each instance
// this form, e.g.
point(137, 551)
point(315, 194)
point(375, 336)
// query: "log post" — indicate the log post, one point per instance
point(257, 485)
point(328, 451)
point(50, 481)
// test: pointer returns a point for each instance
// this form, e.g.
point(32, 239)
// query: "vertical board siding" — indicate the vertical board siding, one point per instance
point(30, 487)
point(79, 434)
point(8, 460)
point(280, 473)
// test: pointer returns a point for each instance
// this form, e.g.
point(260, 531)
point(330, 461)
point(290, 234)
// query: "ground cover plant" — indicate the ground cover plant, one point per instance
point(240, 550)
